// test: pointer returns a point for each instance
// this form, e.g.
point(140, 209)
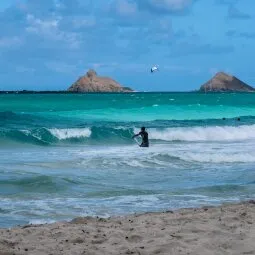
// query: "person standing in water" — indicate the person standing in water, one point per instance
point(144, 135)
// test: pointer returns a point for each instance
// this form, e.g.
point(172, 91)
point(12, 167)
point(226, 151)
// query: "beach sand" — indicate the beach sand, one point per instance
point(226, 229)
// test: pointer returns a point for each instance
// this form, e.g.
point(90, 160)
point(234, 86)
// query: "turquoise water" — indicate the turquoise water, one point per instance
point(69, 155)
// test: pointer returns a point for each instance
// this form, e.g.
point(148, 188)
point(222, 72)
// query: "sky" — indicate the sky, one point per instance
point(49, 44)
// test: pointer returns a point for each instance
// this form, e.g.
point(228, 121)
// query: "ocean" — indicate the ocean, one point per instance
point(69, 155)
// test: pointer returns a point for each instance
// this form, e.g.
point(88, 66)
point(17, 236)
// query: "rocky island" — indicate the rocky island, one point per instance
point(223, 82)
point(91, 82)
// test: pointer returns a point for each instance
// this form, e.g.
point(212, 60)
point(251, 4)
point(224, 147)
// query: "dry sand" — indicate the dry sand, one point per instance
point(227, 229)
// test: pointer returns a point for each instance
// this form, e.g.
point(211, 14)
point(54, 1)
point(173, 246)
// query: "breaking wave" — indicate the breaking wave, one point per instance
point(122, 135)
point(63, 134)
point(216, 133)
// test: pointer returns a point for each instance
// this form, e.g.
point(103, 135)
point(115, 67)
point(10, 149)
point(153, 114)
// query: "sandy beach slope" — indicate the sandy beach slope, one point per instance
point(227, 229)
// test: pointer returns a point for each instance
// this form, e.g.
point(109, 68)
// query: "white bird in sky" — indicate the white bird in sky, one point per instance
point(154, 69)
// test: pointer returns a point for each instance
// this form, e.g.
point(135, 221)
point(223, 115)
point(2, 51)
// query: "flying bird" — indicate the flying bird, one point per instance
point(154, 69)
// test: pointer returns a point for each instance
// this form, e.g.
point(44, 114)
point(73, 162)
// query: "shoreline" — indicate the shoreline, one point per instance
point(225, 229)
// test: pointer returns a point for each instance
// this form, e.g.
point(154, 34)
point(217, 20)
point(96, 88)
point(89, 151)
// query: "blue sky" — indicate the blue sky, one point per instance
point(48, 44)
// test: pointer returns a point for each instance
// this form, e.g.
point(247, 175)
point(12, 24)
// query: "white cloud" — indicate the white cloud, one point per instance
point(39, 26)
point(49, 28)
point(173, 5)
point(84, 21)
point(6, 42)
point(126, 8)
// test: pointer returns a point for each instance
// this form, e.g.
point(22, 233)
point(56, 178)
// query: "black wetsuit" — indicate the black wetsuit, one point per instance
point(145, 141)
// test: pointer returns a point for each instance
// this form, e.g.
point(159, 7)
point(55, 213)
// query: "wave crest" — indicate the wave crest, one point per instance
point(216, 133)
point(63, 134)
point(122, 135)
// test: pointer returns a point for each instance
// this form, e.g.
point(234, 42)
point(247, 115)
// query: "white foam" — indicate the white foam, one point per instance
point(216, 133)
point(168, 155)
point(63, 134)
point(39, 222)
point(219, 158)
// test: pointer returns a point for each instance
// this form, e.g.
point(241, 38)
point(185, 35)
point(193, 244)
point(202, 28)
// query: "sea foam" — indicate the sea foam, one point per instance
point(216, 133)
point(63, 134)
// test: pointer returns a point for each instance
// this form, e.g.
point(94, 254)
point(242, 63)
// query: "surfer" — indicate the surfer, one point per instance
point(144, 135)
